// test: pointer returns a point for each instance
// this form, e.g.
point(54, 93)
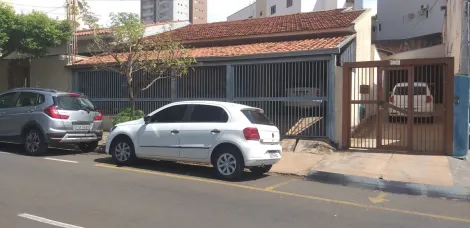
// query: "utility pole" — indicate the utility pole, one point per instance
point(72, 11)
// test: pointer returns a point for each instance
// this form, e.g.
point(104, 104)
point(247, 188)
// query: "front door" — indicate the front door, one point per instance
point(207, 123)
point(161, 137)
point(159, 140)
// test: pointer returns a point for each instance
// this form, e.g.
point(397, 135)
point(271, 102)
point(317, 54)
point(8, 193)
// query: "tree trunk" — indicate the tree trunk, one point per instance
point(130, 90)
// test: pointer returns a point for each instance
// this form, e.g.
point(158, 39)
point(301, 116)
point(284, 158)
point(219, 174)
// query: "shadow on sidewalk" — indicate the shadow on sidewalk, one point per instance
point(193, 170)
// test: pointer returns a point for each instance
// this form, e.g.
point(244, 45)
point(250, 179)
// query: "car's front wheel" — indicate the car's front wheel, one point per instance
point(229, 164)
point(88, 147)
point(123, 152)
point(260, 170)
point(34, 143)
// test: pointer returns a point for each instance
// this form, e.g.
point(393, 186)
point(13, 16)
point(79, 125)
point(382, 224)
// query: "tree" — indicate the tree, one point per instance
point(32, 34)
point(126, 51)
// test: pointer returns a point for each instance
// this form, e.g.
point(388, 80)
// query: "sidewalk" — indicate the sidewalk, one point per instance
point(312, 158)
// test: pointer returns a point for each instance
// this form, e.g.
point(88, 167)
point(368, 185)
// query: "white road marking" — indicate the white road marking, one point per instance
point(61, 160)
point(48, 221)
point(4, 152)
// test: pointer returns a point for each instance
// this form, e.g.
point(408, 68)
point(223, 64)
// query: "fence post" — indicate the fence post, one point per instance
point(330, 105)
point(230, 82)
point(75, 81)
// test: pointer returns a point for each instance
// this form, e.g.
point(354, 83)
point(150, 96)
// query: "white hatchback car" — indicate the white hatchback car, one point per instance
point(227, 135)
point(423, 101)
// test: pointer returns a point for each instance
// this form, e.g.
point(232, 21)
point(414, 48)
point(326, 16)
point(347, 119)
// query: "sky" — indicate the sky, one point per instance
point(218, 10)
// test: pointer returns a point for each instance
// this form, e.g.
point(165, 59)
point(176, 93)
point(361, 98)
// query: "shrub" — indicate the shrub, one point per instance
point(127, 115)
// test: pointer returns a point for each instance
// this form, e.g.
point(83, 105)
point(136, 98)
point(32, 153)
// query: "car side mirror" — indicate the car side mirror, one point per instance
point(147, 119)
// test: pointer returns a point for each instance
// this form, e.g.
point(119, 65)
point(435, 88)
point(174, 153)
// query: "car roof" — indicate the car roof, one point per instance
point(40, 90)
point(404, 84)
point(220, 103)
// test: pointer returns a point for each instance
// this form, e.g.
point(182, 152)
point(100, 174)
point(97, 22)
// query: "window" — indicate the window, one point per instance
point(289, 3)
point(74, 103)
point(402, 90)
point(173, 114)
point(6, 100)
point(273, 9)
point(256, 117)
point(29, 99)
point(208, 114)
point(380, 27)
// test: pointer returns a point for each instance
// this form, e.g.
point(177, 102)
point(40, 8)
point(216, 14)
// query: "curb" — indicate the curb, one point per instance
point(396, 187)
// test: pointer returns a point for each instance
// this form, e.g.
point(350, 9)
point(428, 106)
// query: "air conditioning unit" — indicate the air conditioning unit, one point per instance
point(411, 15)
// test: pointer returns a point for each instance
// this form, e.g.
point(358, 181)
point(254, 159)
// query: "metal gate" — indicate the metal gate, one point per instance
point(399, 105)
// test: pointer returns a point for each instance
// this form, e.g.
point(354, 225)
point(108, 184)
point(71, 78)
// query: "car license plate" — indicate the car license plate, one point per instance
point(81, 127)
point(274, 155)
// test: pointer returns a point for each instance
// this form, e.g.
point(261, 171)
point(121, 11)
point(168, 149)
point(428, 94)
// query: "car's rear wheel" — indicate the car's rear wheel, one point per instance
point(228, 163)
point(88, 147)
point(122, 151)
point(34, 143)
point(260, 170)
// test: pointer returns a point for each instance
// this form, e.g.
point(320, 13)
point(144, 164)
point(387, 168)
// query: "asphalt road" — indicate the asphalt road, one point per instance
point(71, 190)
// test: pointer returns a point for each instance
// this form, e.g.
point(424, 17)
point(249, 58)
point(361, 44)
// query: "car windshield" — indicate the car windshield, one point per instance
point(256, 116)
point(418, 90)
point(74, 103)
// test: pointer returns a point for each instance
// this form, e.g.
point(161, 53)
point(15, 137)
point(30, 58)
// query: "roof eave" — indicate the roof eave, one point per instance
point(346, 41)
point(348, 29)
point(318, 52)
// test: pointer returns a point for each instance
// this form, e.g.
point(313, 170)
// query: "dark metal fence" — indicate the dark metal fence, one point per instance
point(293, 94)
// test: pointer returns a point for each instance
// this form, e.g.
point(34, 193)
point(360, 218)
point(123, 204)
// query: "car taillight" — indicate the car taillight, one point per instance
point(53, 113)
point(318, 93)
point(251, 133)
point(392, 99)
point(73, 94)
point(99, 116)
point(428, 99)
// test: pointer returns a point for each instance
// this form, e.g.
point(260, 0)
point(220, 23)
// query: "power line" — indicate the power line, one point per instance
point(16, 4)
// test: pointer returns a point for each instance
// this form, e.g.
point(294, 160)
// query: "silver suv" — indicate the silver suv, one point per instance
point(38, 117)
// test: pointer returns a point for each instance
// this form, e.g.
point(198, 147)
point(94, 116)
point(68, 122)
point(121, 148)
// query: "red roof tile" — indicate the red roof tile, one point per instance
point(246, 49)
point(320, 20)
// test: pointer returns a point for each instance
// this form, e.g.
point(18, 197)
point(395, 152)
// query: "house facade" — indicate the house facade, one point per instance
point(260, 62)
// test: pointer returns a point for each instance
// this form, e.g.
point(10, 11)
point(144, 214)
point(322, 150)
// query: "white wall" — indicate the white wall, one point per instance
point(393, 21)
point(180, 10)
point(245, 13)
point(298, 6)
point(429, 52)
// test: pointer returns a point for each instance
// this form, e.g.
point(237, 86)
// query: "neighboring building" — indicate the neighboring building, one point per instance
point(267, 8)
point(194, 11)
point(50, 71)
point(405, 19)
point(198, 11)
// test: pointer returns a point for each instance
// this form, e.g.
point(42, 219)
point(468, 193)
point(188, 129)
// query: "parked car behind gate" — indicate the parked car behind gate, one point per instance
point(423, 101)
point(38, 117)
point(227, 135)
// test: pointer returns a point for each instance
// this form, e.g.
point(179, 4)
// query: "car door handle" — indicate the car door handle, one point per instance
point(175, 132)
point(215, 131)
point(31, 110)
